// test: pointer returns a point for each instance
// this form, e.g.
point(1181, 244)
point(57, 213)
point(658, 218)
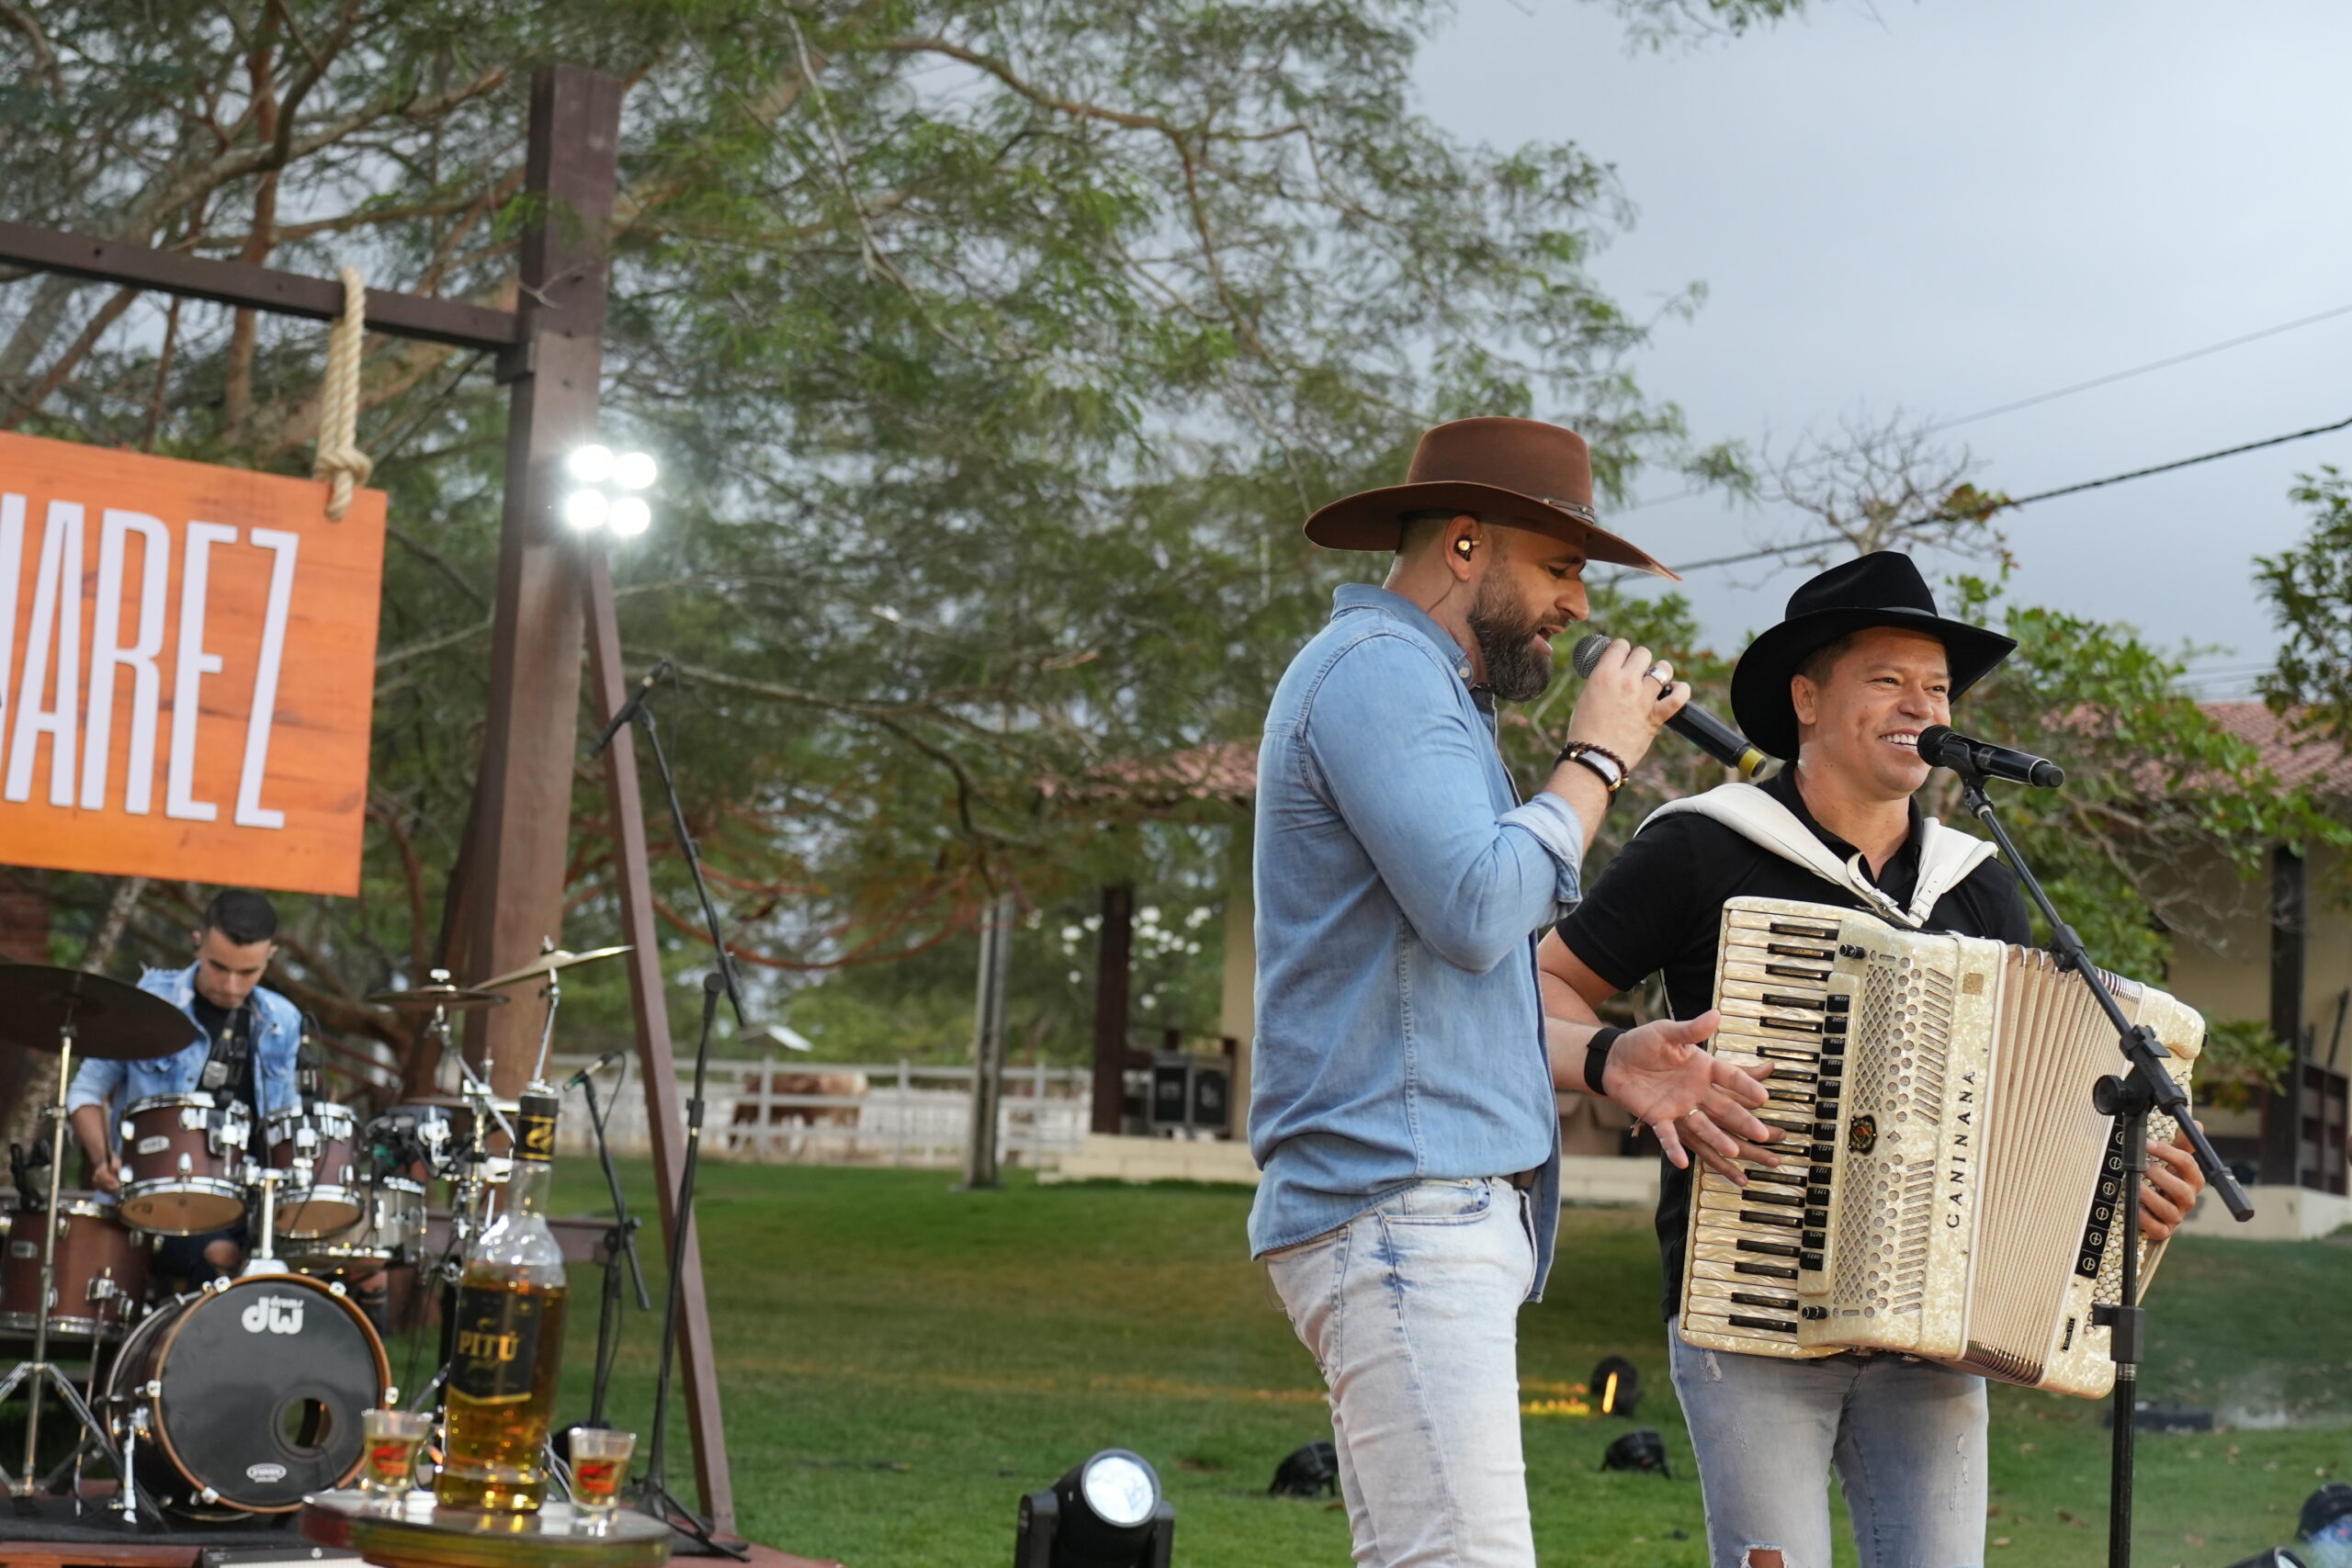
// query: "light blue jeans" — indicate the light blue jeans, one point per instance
point(1411, 1311)
point(1906, 1440)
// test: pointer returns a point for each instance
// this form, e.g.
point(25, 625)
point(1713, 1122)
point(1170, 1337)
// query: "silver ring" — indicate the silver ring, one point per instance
point(1660, 673)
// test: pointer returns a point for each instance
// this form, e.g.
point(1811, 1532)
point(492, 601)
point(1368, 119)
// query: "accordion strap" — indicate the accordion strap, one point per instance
point(1945, 855)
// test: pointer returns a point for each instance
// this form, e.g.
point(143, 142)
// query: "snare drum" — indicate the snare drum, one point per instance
point(390, 1233)
point(317, 1145)
point(182, 1156)
point(101, 1271)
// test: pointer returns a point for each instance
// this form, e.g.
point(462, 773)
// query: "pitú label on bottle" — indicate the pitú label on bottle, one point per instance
point(496, 1344)
point(535, 1128)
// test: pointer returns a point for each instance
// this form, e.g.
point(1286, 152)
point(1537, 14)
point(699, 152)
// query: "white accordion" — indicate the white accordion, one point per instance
point(1947, 1189)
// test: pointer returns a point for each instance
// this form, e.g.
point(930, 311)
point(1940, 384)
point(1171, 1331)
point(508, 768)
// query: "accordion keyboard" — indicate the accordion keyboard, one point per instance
point(1752, 1250)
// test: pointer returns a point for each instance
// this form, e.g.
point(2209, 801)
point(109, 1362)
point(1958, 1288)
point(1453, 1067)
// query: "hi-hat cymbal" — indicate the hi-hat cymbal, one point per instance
point(425, 998)
point(549, 963)
point(112, 1020)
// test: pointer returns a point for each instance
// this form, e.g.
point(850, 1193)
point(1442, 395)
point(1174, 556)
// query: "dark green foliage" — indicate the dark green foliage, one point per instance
point(2310, 589)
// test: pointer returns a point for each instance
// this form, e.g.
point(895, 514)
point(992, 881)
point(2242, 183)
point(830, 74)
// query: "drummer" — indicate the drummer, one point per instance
point(247, 1054)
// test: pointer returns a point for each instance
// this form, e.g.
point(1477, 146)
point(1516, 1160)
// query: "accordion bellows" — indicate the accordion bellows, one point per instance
point(1947, 1189)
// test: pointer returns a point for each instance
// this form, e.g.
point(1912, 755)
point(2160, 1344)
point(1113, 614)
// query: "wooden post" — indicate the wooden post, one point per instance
point(523, 821)
point(2282, 1109)
point(1114, 957)
point(987, 1044)
point(657, 1069)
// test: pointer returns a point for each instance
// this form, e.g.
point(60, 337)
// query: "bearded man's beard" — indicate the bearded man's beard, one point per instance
point(1516, 667)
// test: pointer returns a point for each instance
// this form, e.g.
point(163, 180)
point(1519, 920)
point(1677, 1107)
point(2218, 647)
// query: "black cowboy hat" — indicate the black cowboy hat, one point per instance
point(1522, 473)
point(1882, 589)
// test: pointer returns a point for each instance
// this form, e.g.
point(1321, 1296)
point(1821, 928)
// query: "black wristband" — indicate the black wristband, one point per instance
point(1595, 1056)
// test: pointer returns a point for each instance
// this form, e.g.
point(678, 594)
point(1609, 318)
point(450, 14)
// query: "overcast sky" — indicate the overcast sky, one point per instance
point(1947, 205)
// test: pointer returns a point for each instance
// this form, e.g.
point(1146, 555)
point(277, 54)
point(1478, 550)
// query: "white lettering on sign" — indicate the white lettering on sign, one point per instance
point(283, 546)
point(179, 797)
point(56, 623)
point(109, 655)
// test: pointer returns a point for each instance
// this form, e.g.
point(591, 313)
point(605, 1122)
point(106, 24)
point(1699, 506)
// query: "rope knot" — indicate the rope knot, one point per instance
point(339, 460)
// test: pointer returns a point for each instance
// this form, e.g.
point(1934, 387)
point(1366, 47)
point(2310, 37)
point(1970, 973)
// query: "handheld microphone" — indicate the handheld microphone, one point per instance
point(629, 710)
point(1701, 728)
point(593, 1068)
point(1946, 747)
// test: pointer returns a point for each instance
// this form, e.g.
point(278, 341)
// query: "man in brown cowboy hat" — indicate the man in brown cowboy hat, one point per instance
point(1402, 1107)
point(1844, 685)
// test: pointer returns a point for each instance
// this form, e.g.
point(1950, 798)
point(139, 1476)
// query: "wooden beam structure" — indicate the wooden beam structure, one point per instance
point(254, 288)
point(521, 845)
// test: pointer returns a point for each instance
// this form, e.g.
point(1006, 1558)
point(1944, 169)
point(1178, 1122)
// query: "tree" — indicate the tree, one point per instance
point(2310, 589)
point(992, 352)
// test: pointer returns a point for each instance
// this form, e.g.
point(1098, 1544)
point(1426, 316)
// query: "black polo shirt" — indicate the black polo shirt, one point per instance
point(1658, 908)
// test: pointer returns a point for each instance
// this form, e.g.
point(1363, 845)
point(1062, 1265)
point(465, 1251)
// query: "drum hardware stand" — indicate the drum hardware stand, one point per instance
point(40, 1371)
point(620, 1243)
point(653, 1492)
point(264, 1253)
point(2143, 1088)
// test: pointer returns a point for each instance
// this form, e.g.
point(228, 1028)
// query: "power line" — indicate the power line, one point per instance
point(2013, 504)
point(2039, 397)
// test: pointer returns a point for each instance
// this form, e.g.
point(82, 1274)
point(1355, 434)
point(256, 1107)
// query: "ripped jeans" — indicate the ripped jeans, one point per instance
point(1412, 1310)
point(1906, 1440)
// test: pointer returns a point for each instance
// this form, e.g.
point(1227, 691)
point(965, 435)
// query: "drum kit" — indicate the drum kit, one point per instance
point(246, 1392)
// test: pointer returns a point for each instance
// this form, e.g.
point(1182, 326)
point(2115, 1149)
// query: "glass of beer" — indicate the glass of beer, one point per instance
point(390, 1440)
point(599, 1464)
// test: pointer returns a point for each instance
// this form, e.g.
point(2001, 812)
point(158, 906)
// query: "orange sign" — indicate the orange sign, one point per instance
point(187, 665)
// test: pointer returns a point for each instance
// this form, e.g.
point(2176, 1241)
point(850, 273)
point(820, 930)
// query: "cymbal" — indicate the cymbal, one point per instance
point(113, 1020)
point(425, 998)
point(549, 963)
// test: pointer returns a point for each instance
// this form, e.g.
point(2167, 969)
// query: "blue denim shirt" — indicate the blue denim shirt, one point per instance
point(277, 1031)
point(1401, 888)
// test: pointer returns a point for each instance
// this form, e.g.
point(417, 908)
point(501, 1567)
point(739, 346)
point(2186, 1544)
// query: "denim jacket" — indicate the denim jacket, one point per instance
point(1401, 887)
point(277, 1031)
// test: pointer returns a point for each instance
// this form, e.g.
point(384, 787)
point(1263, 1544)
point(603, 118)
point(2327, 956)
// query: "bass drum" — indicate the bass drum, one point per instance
point(248, 1394)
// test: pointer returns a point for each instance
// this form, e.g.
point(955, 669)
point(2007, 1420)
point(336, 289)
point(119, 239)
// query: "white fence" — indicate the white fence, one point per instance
point(821, 1113)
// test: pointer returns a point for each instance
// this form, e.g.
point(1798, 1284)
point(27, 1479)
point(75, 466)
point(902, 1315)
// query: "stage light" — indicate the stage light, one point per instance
point(1308, 1471)
point(1642, 1451)
point(1616, 1387)
point(630, 517)
point(592, 463)
point(635, 470)
point(586, 510)
point(1105, 1513)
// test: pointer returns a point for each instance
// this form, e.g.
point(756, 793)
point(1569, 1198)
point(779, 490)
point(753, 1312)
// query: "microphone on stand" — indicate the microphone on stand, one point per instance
point(629, 710)
point(1694, 724)
point(1947, 747)
point(593, 1068)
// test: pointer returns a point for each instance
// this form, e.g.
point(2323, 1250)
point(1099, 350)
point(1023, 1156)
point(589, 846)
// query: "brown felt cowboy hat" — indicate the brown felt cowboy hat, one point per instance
point(1521, 472)
point(1881, 588)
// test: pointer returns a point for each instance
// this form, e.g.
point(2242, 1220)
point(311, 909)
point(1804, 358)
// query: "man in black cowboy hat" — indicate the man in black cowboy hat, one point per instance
point(1843, 686)
point(1402, 1107)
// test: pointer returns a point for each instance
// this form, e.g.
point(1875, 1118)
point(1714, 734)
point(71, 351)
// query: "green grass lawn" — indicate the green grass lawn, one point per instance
point(899, 1361)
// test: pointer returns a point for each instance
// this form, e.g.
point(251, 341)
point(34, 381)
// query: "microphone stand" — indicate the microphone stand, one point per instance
point(620, 1243)
point(654, 1495)
point(2145, 1086)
